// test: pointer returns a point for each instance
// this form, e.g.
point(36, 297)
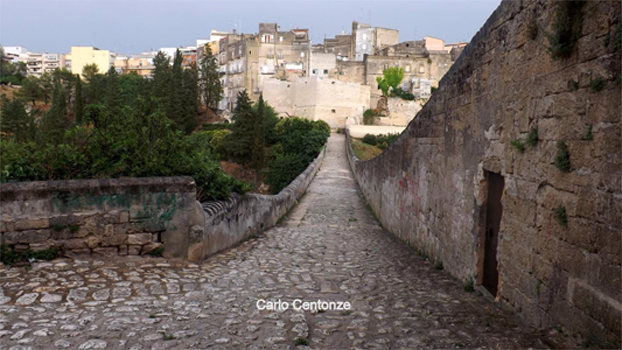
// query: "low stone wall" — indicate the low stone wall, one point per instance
point(230, 222)
point(108, 217)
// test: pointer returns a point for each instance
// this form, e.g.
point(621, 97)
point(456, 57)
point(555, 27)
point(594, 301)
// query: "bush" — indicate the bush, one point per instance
point(284, 170)
point(369, 117)
point(384, 140)
point(370, 139)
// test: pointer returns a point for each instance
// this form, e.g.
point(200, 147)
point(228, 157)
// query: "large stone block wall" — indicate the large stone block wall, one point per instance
point(106, 217)
point(429, 188)
point(227, 223)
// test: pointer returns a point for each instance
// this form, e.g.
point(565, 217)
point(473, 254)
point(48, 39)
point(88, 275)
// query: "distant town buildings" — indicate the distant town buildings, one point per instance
point(331, 80)
point(84, 55)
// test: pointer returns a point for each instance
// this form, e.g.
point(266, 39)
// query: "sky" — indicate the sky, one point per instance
point(134, 26)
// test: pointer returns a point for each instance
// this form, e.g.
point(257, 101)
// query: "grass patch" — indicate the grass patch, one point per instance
point(166, 336)
point(363, 151)
point(58, 227)
point(352, 219)
point(566, 28)
point(559, 214)
point(574, 84)
point(532, 137)
point(74, 228)
point(562, 159)
point(158, 251)
point(518, 145)
point(438, 265)
point(598, 84)
point(10, 257)
point(468, 286)
point(346, 312)
point(588, 133)
point(538, 287)
point(301, 341)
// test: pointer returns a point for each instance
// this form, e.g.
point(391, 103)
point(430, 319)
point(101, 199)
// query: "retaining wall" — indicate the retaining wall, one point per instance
point(430, 187)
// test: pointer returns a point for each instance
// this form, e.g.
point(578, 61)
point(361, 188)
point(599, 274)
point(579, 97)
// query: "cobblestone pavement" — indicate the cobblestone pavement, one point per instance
point(330, 248)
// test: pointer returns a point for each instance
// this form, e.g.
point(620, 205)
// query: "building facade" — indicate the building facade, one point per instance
point(83, 55)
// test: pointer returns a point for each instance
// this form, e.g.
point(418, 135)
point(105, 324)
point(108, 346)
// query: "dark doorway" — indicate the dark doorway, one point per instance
point(494, 210)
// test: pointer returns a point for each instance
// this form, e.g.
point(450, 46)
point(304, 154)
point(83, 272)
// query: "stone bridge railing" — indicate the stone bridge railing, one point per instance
point(134, 216)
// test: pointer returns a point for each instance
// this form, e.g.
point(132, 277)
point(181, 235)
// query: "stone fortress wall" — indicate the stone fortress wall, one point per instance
point(135, 216)
point(430, 187)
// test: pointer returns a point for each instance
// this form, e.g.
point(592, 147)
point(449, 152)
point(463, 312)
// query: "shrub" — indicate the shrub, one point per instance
point(384, 140)
point(369, 117)
point(468, 286)
point(598, 84)
point(518, 145)
point(10, 257)
point(370, 139)
point(532, 137)
point(566, 28)
point(559, 214)
point(588, 133)
point(284, 170)
point(562, 160)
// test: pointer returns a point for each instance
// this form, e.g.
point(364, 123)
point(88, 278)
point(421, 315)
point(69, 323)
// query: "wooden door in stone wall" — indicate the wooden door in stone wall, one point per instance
point(494, 210)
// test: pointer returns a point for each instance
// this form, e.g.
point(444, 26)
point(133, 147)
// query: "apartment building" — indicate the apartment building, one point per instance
point(140, 64)
point(247, 61)
point(367, 40)
point(83, 55)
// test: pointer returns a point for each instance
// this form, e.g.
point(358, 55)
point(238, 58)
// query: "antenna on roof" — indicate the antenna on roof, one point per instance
point(369, 17)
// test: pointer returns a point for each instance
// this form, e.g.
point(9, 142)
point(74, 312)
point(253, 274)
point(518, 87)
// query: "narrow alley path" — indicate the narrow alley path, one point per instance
point(329, 248)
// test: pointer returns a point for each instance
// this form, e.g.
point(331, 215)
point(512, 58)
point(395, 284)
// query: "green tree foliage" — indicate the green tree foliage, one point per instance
point(299, 142)
point(239, 144)
point(47, 86)
point(112, 94)
point(15, 123)
point(54, 121)
point(190, 103)
point(78, 105)
point(211, 89)
point(89, 72)
point(258, 138)
point(392, 77)
point(11, 73)
point(31, 90)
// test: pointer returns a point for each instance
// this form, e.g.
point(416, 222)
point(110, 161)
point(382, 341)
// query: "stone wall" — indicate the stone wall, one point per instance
point(227, 223)
point(101, 217)
point(429, 188)
point(317, 98)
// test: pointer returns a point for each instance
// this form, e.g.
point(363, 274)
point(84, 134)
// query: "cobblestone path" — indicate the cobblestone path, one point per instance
point(330, 248)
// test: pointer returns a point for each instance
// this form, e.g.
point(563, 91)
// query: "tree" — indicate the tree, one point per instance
point(161, 75)
point(78, 106)
point(211, 89)
point(31, 90)
point(14, 120)
point(89, 71)
point(239, 143)
point(392, 78)
point(258, 152)
point(12, 73)
point(111, 96)
point(46, 86)
point(190, 96)
point(55, 120)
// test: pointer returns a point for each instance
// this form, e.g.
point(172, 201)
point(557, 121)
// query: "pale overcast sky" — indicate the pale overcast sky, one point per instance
point(133, 26)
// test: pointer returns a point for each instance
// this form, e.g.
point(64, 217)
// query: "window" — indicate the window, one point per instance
point(332, 111)
point(314, 71)
point(364, 46)
point(364, 36)
point(280, 54)
point(281, 39)
point(421, 69)
point(407, 68)
point(302, 54)
point(325, 71)
point(405, 86)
